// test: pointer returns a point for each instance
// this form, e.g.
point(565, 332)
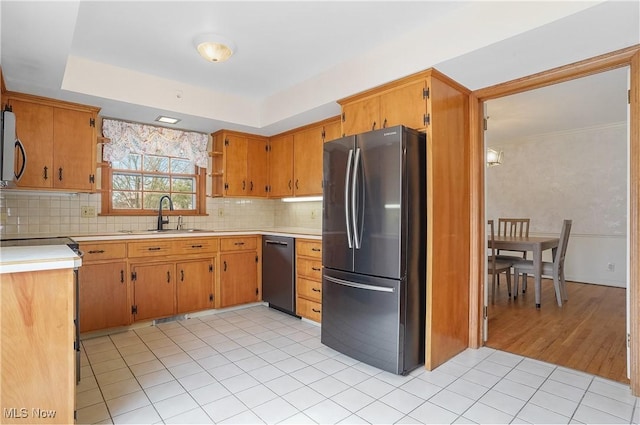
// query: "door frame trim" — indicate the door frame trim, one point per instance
point(630, 57)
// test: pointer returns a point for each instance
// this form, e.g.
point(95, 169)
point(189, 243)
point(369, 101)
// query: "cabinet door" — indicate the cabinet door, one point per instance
point(331, 131)
point(74, 146)
point(235, 158)
point(194, 286)
point(257, 167)
point(405, 105)
point(238, 278)
point(34, 128)
point(307, 160)
point(281, 166)
point(154, 290)
point(361, 116)
point(103, 296)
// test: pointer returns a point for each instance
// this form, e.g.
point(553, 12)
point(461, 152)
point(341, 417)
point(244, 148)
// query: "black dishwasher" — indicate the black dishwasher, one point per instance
point(278, 273)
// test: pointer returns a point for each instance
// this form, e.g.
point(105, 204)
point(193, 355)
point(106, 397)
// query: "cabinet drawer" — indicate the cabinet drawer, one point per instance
point(195, 246)
point(309, 248)
point(150, 248)
point(240, 243)
point(103, 251)
point(309, 268)
point(309, 289)
point(309, 309)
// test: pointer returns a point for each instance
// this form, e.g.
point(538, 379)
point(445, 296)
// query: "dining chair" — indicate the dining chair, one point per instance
point(555, 269)
point(513, 227)
point(496, 265)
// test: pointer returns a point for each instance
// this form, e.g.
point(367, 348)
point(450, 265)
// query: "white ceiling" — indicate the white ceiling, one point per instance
point(136, 60)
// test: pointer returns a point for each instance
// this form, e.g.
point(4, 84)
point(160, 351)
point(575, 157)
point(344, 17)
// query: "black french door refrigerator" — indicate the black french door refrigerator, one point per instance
point(373, 237)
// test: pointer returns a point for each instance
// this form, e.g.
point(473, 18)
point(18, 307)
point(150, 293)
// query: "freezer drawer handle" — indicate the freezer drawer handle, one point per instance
point(359, 285)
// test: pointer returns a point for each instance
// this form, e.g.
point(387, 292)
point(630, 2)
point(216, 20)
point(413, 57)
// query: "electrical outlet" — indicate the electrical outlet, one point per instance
point(220, 212)
point(88, 211)
point(611, 267)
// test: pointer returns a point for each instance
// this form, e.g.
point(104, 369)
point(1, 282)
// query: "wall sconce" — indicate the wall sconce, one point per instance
point(214, 47)
point(494, 157)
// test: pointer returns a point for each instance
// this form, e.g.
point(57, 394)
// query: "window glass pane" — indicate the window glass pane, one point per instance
point(126, 200)
point(152, 201)
point(158, 164)
point(183, 184)
point(181, 166)
point(131, 162)
point(156, 184)
point(184, 201)
point(123, 181)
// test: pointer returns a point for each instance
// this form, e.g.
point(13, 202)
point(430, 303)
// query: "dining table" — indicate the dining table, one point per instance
point(535, 244)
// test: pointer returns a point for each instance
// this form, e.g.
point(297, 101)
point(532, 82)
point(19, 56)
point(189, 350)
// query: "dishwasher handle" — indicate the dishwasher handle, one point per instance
point(272, 242)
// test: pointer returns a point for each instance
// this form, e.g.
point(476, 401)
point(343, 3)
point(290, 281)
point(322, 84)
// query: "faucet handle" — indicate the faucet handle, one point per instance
point(179, 227)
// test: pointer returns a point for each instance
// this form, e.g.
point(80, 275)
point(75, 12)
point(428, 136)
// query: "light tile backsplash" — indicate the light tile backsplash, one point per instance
point(47, 214)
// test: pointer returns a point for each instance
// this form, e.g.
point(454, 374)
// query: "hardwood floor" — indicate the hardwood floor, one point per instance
point(587, 333)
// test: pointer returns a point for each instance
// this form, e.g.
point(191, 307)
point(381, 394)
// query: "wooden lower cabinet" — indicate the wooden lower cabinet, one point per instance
point(104, 296)
point(37, 356)
point(194, 286)
point(309, 279)
point(240, 280)
point(154, 290)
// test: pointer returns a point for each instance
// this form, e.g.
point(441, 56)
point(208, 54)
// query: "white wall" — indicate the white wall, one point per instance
point(579, 175)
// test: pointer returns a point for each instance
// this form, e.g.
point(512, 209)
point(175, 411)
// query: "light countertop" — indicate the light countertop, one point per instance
point(16, 259)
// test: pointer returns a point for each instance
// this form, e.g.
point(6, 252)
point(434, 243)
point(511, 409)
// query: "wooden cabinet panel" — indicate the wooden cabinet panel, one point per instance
point(239, 243)
point(103, 251)
point(281, 166)
point(405, 105)
point(361, 116)
point(309, 248)
point(154, 289)
point(257, 167)
point(150, 248)
point(307, 160)
point(74, 162)
point(332, 131)
point(309, 309)
point(195, 246)
point(34, 128)
point(235, 152)
point(309, 268)
point(194, 286)
point(309, 289)
point(238, 278)
point(37, 333)
point(103, 296)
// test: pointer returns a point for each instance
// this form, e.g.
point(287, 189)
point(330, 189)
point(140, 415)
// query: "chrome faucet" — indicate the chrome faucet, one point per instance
point(161, 221)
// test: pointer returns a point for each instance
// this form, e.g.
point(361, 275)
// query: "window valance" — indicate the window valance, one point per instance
point(129, 138)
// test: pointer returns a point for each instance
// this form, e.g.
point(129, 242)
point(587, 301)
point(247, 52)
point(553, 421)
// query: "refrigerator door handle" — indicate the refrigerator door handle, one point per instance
point(346, 197)
point(354, 201)
point(359, 285)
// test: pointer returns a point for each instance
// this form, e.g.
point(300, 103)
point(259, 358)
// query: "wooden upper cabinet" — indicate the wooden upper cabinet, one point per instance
point(281, 166)
point(405, 105)
point(307, 162)
point(59, 140)
point(402, 102)
point(257, 167)
point(235, 158)
point(332, 131)
point(361, 116)
point(240, 164)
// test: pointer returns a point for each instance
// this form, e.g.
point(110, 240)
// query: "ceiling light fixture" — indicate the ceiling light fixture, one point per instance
point(167, 120)
point(214, 47)
point(494, 157)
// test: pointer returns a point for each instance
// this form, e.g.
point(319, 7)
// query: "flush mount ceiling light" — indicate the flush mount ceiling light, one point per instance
point(214, 47)
point(167, 120)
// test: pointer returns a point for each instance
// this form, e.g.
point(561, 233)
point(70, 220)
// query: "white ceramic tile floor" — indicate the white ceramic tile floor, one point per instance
point(257, 365)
